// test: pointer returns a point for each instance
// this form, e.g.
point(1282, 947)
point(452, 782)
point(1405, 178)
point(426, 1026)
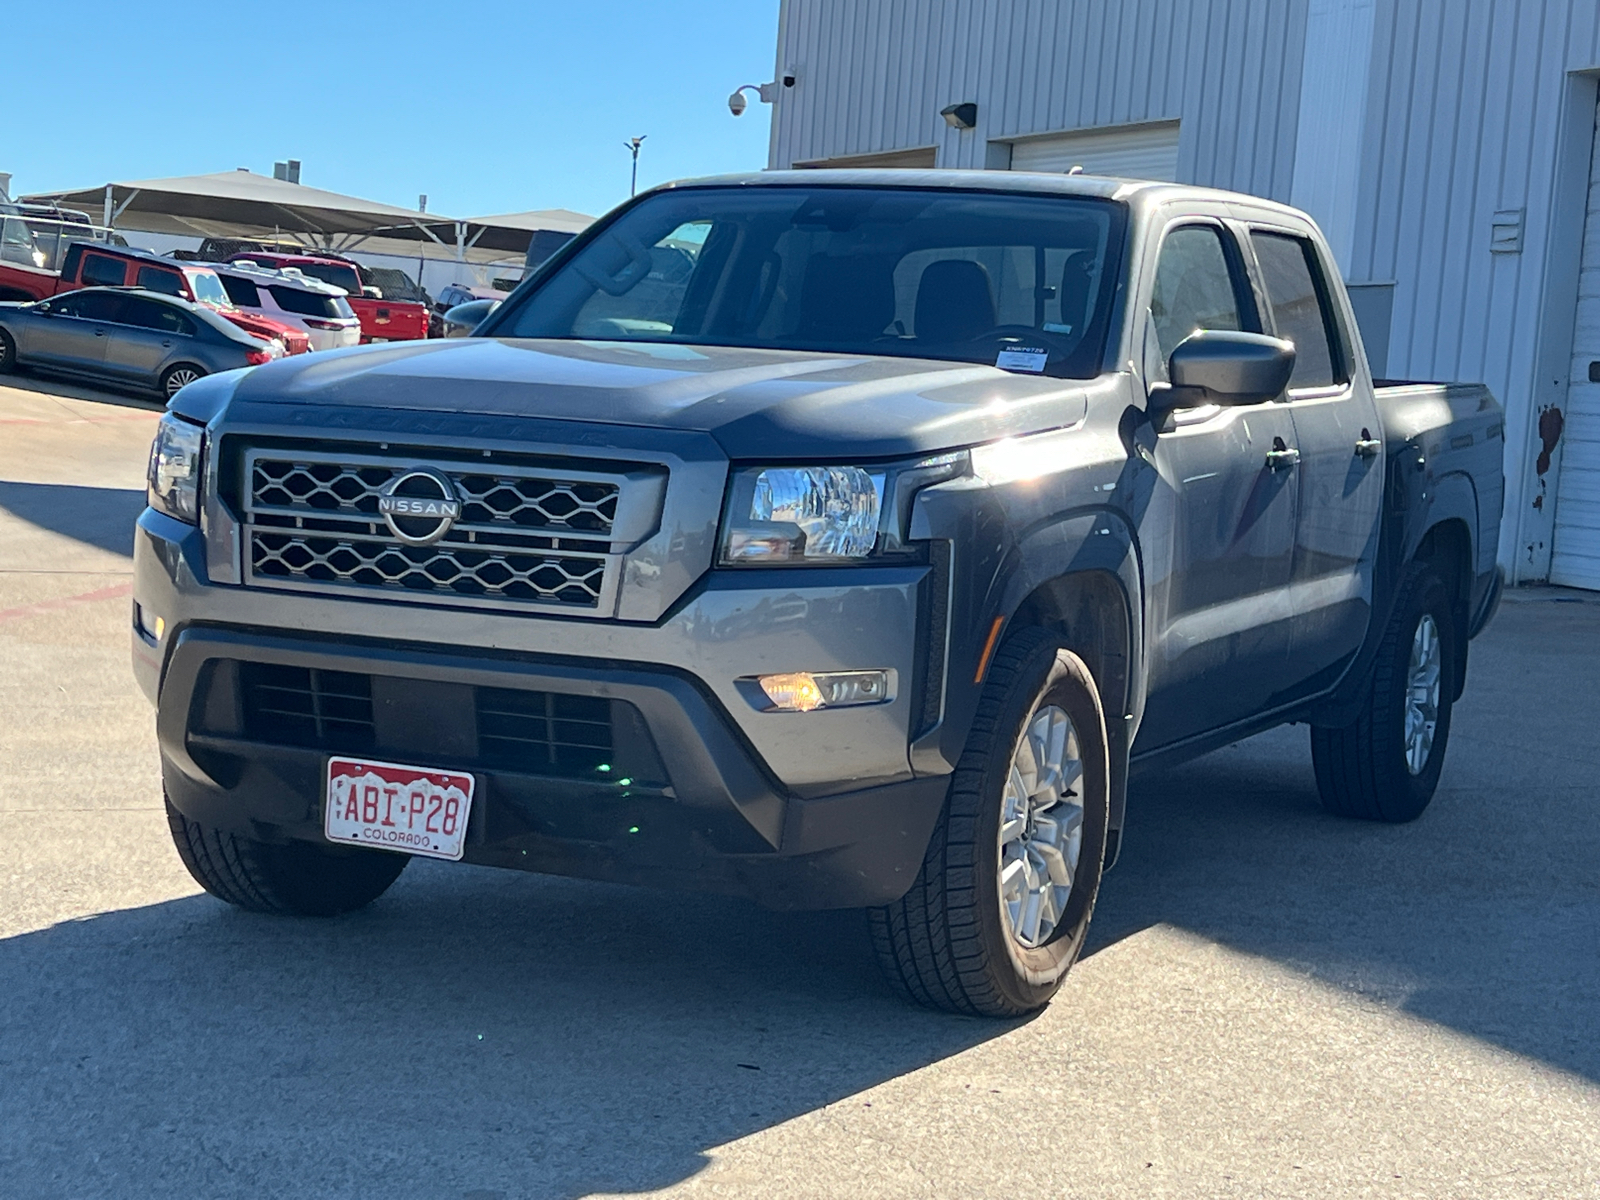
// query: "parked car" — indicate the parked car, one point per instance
point(132, 337)
point(851, 554)
point(382, 319)
point(87, 264)
point(320, 309)
point(454, 294)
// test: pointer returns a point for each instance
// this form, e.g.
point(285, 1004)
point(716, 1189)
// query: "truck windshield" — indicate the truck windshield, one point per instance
point(1012, 280)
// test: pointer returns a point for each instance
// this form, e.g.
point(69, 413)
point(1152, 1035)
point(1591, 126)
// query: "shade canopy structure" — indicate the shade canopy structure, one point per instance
point(512, 232)
point(241, 204)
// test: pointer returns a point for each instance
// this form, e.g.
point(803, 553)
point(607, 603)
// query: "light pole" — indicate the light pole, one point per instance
point(633, 144)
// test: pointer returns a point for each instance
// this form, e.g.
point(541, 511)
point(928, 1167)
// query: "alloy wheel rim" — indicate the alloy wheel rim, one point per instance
point(1041, 827)
point(179, 379)
point(1422, 694)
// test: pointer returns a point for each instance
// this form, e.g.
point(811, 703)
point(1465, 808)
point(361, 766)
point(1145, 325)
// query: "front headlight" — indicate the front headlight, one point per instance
point(174, 475)
point(780, 515)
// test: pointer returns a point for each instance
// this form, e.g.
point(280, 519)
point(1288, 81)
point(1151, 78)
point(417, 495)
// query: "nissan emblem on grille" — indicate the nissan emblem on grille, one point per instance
point(419, 506)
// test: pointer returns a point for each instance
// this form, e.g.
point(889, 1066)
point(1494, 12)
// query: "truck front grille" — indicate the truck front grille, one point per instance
point(522, 536)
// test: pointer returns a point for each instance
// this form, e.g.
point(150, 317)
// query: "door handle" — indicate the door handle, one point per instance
point(1281, 457)
point(1367, 446)
point(99, 333)
point(166, 345)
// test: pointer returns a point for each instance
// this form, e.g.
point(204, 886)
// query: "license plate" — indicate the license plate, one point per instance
point(390, 806)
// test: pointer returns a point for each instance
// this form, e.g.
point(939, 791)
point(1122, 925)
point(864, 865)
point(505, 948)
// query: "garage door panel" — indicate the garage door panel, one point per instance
point(1575, 549)
point(1148, 151)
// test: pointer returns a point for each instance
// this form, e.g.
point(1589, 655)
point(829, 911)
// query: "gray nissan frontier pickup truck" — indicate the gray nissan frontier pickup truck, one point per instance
point(831, 538)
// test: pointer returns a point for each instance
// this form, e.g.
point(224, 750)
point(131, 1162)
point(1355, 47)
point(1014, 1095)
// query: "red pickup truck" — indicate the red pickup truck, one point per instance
point(92, 264)
point(382, 319)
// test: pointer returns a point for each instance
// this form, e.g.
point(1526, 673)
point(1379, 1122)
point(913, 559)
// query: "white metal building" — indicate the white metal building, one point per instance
point(1447, 147)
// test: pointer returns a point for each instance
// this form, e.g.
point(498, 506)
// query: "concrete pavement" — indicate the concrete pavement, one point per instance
point(1277, 1003)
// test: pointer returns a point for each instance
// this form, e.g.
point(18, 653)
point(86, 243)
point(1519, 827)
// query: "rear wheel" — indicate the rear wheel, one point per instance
point(8, 353)
point(179, 376)
point(1001, 907)
point(1384, 765)
point(296, 879)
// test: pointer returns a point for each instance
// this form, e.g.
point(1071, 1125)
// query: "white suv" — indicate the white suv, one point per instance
point(295, 299)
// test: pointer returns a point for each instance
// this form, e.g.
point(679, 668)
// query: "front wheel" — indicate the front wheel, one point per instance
point(1000, 909)
point(301, 879)
point(1384, 765)
point(8, 353)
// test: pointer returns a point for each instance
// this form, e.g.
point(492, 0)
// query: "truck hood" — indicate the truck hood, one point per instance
point(755, 403)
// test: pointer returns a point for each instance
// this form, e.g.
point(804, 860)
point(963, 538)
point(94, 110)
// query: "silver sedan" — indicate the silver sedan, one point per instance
point(126, 336)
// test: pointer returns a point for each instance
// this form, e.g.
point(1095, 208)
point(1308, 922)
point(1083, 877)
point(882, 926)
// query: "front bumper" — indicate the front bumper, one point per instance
point(811, 810)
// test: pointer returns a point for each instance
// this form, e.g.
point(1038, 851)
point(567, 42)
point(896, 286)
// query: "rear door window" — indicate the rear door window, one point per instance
point(1301, 310)
point(152, 314)
point(159, 279)
point(100, 271)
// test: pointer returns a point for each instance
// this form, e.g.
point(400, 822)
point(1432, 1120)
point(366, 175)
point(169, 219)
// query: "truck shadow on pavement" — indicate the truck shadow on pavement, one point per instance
point(96, 516)
point(473, 1033)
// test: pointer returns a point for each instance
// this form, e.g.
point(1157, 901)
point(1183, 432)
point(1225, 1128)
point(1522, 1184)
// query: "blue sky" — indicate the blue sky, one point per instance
point(486, 105)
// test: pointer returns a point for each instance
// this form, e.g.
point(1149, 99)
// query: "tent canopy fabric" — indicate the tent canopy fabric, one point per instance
point(242, 204)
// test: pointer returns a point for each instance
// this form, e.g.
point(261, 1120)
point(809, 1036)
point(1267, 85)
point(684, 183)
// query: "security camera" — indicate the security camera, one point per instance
point(737, 103)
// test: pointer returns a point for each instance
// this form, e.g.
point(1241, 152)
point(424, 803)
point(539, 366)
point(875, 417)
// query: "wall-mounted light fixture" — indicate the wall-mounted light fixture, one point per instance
point(960, 116)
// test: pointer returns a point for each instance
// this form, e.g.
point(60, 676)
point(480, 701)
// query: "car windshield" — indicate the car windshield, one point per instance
point(333, 273)
point(1017, 281)
point(208, 289)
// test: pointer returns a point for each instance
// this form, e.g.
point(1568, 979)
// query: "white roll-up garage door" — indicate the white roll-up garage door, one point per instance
point(1575, 553)
point(1147, 151)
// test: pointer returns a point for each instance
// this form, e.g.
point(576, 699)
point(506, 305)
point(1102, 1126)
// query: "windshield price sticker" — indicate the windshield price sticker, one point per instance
point(1022, 358)
point(390, 806)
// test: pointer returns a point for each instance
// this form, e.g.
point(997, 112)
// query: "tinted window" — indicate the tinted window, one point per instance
point(100, 271)
point(1300, 308)
point(159, 280)
point(891, 271)
point(344, 277)
point(152, 314)
point(1193, 288)
point(306, 304)
point(241, 291)
point(93, 306)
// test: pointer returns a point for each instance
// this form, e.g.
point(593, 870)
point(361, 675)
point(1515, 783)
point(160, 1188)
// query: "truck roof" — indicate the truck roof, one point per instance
point(1141, 191)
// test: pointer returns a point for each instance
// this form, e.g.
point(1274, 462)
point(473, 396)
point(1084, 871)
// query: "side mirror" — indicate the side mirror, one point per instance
point(43, 307)
point(464, 318)
point(1220, 366)
point(372, 293)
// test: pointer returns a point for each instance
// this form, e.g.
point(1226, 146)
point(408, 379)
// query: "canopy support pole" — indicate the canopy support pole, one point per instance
point(117, 212)
point(105, 220)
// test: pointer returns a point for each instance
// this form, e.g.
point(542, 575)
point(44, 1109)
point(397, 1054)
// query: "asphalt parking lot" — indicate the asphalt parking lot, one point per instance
point(1275, 1002)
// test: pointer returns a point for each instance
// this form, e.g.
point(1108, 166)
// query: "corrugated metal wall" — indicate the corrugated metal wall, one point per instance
point(1470, 112)
point(1464, 120)
point(873, 75)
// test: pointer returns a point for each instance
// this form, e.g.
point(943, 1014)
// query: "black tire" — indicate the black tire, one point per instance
point(8, 353)
point(1362, 768)
point(299, 879)
point(170, 378)
point(946, 944)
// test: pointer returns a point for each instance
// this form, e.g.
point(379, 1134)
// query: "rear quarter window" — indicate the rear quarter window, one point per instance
point(305, 304)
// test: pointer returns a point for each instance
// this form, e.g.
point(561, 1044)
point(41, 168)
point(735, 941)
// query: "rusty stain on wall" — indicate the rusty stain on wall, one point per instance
point(1551, 423)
